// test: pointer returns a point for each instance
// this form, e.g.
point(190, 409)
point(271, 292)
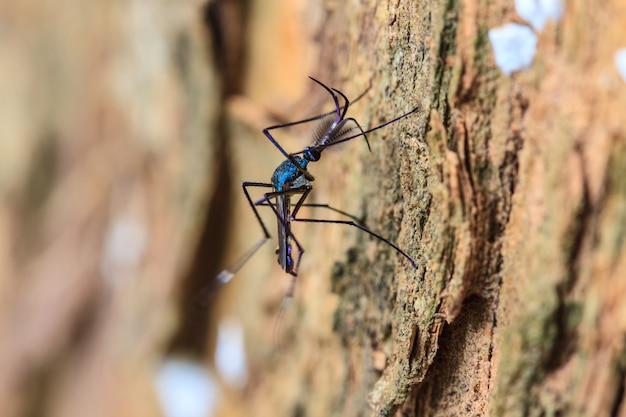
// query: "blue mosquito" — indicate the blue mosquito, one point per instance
point(293, 180)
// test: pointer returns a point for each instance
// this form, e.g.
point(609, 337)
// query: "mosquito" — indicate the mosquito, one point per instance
point(291, 181)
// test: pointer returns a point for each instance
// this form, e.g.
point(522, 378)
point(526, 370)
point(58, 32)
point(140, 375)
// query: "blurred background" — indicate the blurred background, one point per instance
point(125, 129)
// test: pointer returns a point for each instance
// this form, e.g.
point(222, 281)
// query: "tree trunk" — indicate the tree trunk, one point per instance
point(505, 189)
point(119, 193)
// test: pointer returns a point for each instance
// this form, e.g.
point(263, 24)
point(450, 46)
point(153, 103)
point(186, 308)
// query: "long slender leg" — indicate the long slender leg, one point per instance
point(305, 194)
point(321, 116)
point(344, 108)
point(288, 234)
point(371, 129)
point(244, 186)
point(363, 228)
point(266, 201)
point(285, 222)
point(267, 133)
point(304, 190)
point(346, 102)
point(326, 206)
point(362, 133)
point(344, 122)
point(209, 290)
point(340, 114)
point(302, 169)
point(338, 110)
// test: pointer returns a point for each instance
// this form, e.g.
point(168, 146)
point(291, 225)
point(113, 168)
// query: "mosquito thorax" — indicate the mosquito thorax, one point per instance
point(288, 173)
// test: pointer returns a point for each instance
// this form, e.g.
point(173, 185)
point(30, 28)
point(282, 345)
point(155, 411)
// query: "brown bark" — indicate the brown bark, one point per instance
point(507, 192)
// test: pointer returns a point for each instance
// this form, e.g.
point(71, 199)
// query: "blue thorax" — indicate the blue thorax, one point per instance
point(287, 173)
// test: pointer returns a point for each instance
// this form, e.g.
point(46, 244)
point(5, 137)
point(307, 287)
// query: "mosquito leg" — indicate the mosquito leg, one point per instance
point(326, 206)
point(290, 192)
point(291, 158)
point(321, 116)
point(285, 223)
point(267, 133)
point(366, 230)
point(303, 197)
point(371, 129)
point(244, 186)
point(287, 298)
point(209, 290)
point(345, 100)
point(341, 125)
point(340, 114)
point(340, 111)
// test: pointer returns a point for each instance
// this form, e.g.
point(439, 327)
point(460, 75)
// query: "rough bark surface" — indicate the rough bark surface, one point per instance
point(507, 190)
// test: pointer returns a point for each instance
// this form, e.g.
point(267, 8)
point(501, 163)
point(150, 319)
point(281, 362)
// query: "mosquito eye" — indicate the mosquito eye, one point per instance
point(311, 154)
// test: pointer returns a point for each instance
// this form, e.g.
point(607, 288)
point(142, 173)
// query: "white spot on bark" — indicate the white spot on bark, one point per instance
point(514, 47)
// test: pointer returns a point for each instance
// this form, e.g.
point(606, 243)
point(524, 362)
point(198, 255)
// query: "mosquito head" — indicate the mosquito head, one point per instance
point(312, 153)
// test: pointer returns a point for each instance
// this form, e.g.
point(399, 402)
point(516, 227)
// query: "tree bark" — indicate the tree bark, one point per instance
point(505, 189)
